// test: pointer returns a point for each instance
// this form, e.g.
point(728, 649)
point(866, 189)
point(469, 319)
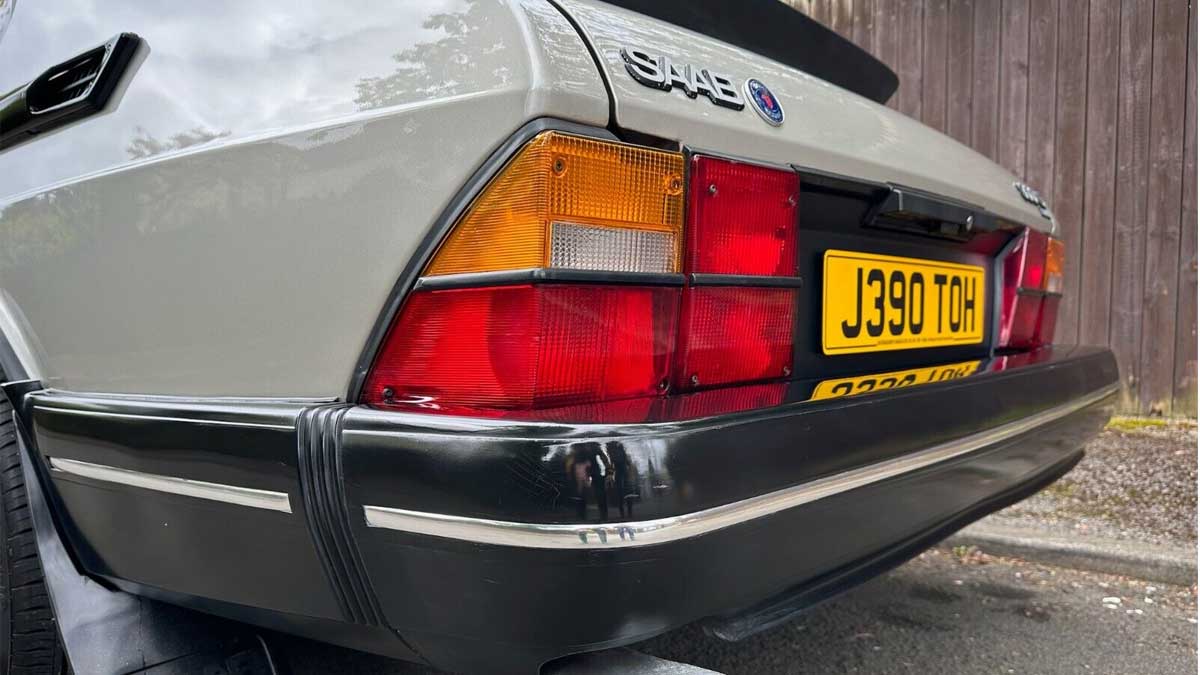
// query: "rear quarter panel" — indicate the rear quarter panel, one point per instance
point(234, 225)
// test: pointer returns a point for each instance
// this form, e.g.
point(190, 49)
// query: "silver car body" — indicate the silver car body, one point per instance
point(234, 226)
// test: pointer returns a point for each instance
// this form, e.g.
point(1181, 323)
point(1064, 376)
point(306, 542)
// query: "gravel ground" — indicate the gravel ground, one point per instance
point(943, 612)
point(969, 614)
point(1138, 481)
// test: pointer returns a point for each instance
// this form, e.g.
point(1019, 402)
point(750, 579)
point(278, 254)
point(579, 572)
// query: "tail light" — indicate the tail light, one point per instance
point(571, 202)
point(591, 277)
point(1033, 285)
point(649, 307)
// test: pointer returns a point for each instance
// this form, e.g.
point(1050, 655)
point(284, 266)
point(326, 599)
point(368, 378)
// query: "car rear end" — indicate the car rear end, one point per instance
point(754, 340)
point(699, 365)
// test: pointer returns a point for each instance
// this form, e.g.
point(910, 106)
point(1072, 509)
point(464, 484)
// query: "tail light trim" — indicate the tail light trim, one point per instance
point(696, 279)
point(547, 275)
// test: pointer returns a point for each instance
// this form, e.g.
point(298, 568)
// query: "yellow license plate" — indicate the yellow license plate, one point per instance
point(865, 384)
point(876, 303)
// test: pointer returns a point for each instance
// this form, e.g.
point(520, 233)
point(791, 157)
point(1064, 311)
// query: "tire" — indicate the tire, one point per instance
point(29, 643)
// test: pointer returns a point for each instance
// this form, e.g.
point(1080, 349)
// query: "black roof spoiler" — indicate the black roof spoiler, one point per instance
point(776, 31)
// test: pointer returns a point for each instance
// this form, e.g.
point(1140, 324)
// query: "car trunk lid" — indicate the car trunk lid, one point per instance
point(826, 128)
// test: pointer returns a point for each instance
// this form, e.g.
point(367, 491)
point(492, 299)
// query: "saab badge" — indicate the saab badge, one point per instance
point(764, 102)
point(660, 72)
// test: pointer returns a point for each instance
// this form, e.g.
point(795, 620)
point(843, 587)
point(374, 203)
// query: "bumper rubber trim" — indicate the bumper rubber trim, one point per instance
point(674, 528)
point(318, 446)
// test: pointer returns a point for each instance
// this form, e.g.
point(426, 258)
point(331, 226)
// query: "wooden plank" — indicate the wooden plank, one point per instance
point(960, 48)
point(911, 50)
point(985, 77)
point(1014, 85)
point(933, 64)
point(1129, 242)
point(842, 19)
point(1100, 165)
point(863, 23)
point(885, 40)
point(1184, 402)
point(1068, 155)
point(1043, 86)
point(1164, 189)
point(821, 10)
point(804, 6)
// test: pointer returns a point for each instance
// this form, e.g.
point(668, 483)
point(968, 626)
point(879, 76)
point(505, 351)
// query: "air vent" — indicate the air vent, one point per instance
point(67, 82)
point(70, 91)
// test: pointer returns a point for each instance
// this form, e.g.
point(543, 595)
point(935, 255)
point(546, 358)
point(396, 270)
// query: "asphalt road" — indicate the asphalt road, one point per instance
point(941, 613)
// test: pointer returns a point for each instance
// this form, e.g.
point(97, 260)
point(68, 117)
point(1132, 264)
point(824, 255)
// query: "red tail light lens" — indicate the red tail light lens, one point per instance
point(526, 346)
point(741, 218)
point(1048, 319)
point(1033, 273)
point(1032, 288)
point(734, 334)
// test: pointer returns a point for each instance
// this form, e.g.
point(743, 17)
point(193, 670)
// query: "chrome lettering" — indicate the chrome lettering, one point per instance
point(660, 72)
point(643, 68)
point(724, 92)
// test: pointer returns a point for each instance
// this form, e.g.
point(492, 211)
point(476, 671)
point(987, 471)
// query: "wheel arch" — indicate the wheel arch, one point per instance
point(19, 351)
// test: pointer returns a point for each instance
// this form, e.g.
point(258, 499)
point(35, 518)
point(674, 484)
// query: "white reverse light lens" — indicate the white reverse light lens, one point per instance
point(611, 249)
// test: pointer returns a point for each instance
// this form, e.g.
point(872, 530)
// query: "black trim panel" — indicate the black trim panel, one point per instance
point(588, 599)
point(794, 601)
point(523, 471)
point(909, 204)
point(546, 275)
point(468, 606)
point(744, 280)
point(95, 622)
point(194, 546)
point(24, 114)
point(251, 565)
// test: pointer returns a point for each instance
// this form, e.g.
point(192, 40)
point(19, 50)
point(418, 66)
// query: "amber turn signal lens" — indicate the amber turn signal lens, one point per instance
point(1055, 256)
point(574, 202)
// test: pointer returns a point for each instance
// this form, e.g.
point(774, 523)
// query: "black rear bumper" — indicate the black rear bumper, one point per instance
point(496, 545)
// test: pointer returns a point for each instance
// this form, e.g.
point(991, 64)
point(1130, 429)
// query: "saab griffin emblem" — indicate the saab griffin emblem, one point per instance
point(660, 73)
point(765, 103)
point(1033, 197)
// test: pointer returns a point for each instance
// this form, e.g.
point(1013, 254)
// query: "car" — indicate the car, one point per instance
point(482, 334)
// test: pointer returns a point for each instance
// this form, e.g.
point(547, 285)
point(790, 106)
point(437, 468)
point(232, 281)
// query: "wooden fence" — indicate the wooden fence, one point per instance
point(1094, 104)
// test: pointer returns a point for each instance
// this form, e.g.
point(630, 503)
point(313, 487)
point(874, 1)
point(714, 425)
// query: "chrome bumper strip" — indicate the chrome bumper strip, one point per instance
point(230, 494)
point(674, 528)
